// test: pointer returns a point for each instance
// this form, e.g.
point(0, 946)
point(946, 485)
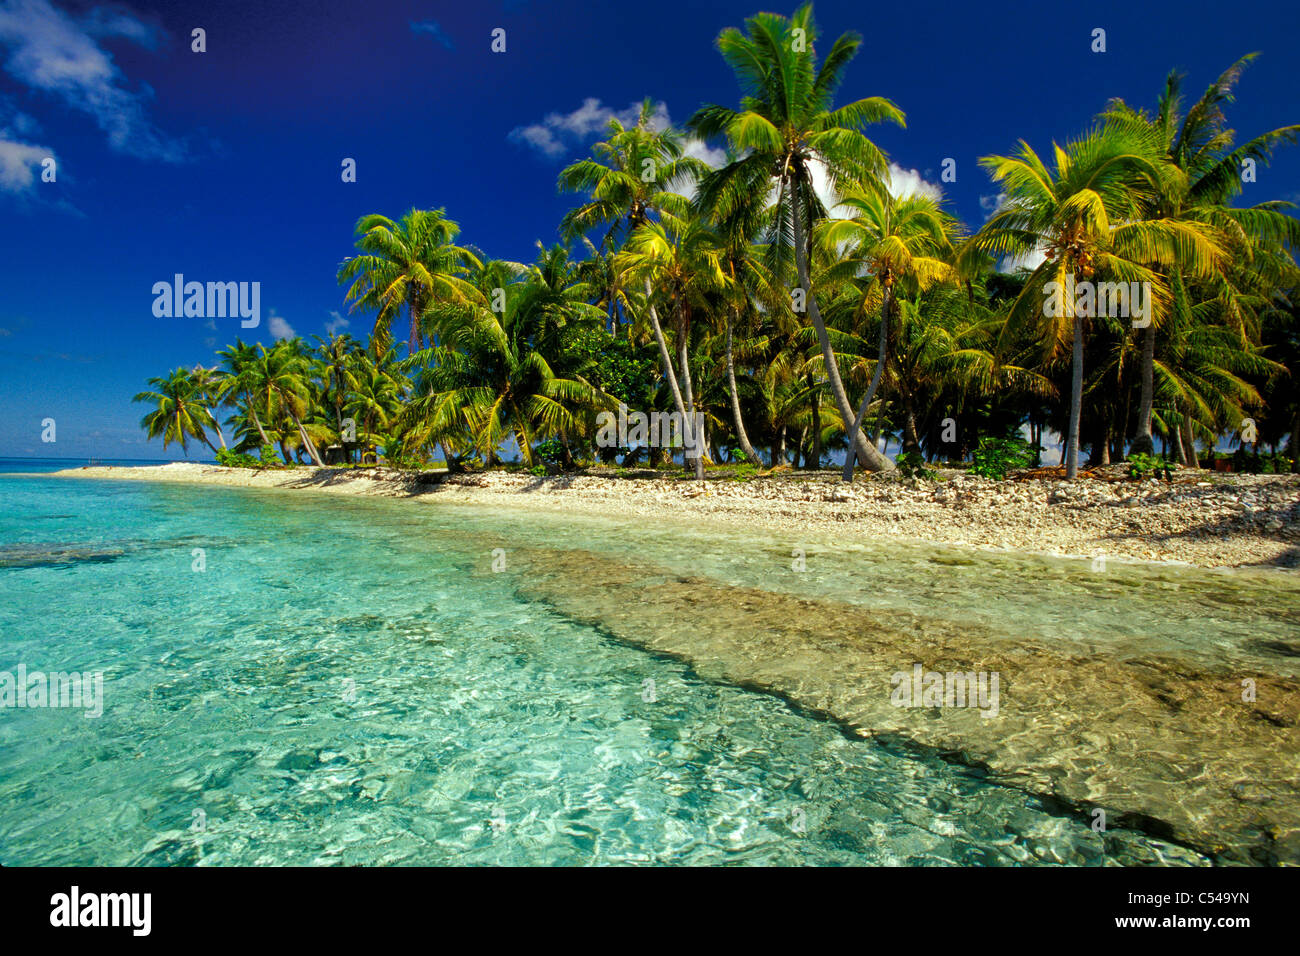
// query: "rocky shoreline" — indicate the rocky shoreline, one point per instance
point(1200, 518)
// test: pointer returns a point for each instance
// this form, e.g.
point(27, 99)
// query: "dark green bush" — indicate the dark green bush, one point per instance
point(996, 456)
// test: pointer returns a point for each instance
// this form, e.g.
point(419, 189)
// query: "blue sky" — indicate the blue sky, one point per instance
point(225, 165)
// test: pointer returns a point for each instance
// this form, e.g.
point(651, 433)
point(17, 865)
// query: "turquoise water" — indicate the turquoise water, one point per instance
point(348, 682)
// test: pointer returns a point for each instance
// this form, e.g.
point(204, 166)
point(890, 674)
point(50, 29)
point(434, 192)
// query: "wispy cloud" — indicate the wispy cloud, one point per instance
point(559, 133)
point(51, 52)
point(18, 163)
point(434, 29)
point(337, 323)
point(279, 327)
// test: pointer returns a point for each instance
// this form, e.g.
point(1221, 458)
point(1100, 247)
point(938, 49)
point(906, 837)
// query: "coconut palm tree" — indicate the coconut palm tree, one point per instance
point(1085, 217)
point(411, 265)
point(181, 409)
point(238, 362)
point(488, 381)
point(904, 244)
point(630, 182)
point(281, 383)
point(787, 129)
point(1199, 146)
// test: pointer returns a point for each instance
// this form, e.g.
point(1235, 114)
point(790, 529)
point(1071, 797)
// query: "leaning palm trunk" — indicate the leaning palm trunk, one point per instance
point(688, 420)
point(1143, 442)
point(851, 458)
point(668, 367)
point(252, 410)
point(307, 442)
point(866, 452)
point(1076, 404)
point(741, 435)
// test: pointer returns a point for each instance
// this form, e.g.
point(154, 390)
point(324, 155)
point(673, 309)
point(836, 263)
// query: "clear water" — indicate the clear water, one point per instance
point(348, 682)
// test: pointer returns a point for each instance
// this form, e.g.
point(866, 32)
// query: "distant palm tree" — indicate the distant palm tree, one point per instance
point(281, 383)
point(1085, 217)
point(1199, 146)
point(681, 260)
point(631, 182)
point(181, 411)
point(905, 245)
point(239, 360)
point(411, 265)
point(489, 381)
point(786, 129)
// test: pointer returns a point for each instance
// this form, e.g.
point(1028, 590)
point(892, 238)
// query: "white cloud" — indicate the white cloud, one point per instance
point(279, 327)
point(18, 163)
point(52, 52)
point(558, 133)
point(910, 182)
point(991, 204)
point(337, 323)
point(1025, 260)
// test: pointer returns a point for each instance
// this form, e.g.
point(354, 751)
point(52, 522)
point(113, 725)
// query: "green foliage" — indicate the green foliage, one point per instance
point(997, 456)
point(1141, 465)
point(910, 464)
point(550, 451)
point(234, 459)
point(538, 471)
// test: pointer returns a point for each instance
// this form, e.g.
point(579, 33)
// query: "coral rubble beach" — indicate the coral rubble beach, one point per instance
point(1208, 520)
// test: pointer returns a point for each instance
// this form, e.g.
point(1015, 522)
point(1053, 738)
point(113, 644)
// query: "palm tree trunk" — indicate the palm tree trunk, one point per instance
point(1295, 443)
point(741, 435)
point(910, 440)
point(1142, 442)
point(252, 409)
point(669, 374)
point(307, 442)
point(851, 458)
point(817, 429)
point(1076, 404)
point(688, 423)
point(1189, 442)
point(871, 459)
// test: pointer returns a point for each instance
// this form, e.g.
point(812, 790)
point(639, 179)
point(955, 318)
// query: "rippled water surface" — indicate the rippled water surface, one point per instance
point(348, 681)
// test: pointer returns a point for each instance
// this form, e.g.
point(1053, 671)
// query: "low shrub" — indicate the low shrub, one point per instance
point(996, 456)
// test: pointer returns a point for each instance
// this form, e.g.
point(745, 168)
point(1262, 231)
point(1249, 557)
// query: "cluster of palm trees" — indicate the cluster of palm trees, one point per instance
point(801, 305)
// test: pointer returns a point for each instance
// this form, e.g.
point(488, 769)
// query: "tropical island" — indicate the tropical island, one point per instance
point(791, 298)
point(724, 376)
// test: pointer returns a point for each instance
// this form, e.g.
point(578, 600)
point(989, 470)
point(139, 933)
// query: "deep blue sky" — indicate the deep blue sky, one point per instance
point(225, 165)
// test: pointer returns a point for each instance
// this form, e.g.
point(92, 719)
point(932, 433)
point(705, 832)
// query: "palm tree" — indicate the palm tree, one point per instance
point(1085, 217)
point(681, 260)
point(785, 129)
point(904, 244)
point(489, 381)
point(281, 383)
point(181, 411)
point(630, 182)
point(409, 265)
point(337, 357)
point(239, 361)
point(1198, 145)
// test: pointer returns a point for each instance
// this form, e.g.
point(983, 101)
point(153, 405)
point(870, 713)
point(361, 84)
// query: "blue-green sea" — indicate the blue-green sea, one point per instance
point(307, 679)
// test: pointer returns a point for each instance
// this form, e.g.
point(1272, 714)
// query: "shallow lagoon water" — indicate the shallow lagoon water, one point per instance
point(348, 682)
